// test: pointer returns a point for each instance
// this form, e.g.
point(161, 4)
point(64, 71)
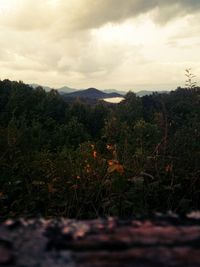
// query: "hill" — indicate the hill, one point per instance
point(91, 93)
point(114, 91)
point(66, 90)
point(61, 90)
point(35, 85)
point(146, 92)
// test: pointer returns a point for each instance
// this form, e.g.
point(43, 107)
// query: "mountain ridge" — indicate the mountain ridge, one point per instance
point(102, 93)
point(92, 93)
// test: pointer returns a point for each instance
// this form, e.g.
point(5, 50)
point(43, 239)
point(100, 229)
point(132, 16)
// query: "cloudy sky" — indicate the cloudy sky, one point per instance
point(123, 44)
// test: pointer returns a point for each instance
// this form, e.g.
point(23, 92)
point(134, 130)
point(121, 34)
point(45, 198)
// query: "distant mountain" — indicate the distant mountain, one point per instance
point(66, 90)
point(61, 90)
point(114, 91)
point(35, 85)
point(92, 93)
point(145, 92)
point(140, 93)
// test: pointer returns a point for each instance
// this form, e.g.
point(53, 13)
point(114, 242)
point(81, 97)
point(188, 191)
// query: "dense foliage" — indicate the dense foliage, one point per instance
point(86, 160)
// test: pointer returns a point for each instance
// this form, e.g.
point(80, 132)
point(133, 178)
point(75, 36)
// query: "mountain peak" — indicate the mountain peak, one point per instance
point(92, 93)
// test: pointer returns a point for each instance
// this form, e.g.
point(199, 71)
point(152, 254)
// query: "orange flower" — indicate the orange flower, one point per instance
point(112, 162)
point(114, 165)
point(169, 168)
point(94, 154)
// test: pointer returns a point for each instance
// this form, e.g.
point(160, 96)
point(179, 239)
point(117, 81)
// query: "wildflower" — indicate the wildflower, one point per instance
point(114, 165)
point(94, 154)
point(169, 168)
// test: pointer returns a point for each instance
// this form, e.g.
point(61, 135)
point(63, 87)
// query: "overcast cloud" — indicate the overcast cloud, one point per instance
point(130, 44)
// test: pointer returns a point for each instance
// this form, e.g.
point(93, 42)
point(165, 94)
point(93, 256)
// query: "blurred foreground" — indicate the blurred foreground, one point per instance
point(160, 241)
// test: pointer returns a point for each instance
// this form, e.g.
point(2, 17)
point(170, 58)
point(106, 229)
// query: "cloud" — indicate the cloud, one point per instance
point(78, 15)
point(27, 15)
point(103, 42)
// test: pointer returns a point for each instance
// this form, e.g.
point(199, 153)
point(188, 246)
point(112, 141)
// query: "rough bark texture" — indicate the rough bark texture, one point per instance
point(162, 241)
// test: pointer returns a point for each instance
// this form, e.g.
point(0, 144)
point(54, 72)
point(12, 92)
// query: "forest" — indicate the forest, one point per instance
point(87, 160)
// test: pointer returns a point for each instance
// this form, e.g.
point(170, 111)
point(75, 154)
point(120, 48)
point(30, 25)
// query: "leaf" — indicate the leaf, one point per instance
point(114, 165)
point(111, 168)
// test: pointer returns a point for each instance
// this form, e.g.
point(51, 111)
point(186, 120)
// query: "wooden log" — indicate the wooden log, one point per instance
point(161, 241)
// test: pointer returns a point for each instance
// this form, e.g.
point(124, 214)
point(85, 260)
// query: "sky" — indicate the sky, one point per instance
point(122, 44)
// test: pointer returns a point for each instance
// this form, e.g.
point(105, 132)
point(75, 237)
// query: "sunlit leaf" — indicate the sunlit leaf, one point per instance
point(114, 165)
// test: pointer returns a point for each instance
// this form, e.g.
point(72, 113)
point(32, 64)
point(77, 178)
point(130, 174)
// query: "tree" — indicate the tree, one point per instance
point(190, 83)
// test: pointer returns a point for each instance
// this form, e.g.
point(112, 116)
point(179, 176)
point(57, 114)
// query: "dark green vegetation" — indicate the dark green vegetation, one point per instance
point(87, 160)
